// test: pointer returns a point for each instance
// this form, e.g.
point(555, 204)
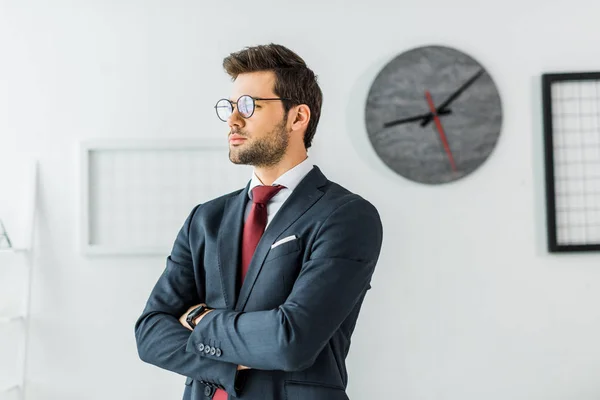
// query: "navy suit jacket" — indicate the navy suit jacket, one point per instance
point(292, 318)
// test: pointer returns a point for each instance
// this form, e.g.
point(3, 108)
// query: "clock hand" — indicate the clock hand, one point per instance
point(454, 95)
point(405, 120)
point(440, 129)
point(461, 89)
point(415, 118)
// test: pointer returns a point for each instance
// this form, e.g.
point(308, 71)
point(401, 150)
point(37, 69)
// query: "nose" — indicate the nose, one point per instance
point(235, 119)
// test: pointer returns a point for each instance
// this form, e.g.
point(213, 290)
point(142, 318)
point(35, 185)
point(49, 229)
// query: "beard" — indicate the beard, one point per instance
point(262, 152)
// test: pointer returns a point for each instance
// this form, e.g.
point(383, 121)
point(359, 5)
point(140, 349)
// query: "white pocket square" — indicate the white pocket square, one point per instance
point(284, 240)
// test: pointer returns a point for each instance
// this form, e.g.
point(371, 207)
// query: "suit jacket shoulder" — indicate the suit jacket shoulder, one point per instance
point(336, 196)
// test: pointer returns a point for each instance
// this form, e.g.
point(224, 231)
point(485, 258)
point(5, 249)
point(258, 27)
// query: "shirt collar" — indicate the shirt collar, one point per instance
point(290, 179)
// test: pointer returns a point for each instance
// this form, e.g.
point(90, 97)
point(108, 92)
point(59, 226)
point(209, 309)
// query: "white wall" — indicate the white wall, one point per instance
point(466, 303)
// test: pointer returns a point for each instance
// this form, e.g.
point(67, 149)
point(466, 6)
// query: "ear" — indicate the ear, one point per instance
point(301, 116)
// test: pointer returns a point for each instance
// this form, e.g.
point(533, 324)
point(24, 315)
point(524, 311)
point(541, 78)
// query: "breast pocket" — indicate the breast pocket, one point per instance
point(277, 275)
point(291, 246)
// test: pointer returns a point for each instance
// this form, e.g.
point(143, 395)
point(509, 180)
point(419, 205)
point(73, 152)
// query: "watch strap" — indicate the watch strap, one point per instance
point(195, 313)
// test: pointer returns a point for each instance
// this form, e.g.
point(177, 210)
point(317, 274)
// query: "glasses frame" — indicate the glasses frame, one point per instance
point(233, 104)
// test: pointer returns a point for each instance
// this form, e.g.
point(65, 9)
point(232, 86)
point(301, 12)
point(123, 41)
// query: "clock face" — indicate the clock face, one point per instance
point(433, 114)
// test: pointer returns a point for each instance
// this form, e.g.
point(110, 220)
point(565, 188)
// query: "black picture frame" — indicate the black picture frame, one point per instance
point(548, 79)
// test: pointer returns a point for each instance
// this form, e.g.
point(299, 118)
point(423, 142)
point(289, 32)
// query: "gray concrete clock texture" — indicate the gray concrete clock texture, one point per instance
point(433, 114)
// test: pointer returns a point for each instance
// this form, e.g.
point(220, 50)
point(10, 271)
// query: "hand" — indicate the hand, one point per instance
point(182, 319)
point(440, 129)
point(241, 367)
point(453, 97)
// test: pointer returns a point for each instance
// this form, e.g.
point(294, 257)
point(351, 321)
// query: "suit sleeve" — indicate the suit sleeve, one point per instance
point(161, 339)
point(329, 285)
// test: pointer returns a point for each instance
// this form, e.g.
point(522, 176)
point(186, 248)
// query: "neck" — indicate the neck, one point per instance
point(267, 175)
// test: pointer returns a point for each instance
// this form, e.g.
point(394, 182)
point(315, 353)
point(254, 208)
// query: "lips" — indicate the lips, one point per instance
point(235, 139)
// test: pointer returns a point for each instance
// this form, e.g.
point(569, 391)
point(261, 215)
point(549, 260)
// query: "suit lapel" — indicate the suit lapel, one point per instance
point(230, 243)
point(301, 199)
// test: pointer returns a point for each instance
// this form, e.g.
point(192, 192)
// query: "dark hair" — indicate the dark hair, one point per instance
point(293, 79)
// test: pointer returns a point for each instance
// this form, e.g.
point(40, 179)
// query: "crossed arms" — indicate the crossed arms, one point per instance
point(287, 338)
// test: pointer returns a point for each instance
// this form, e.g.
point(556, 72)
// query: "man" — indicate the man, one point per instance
point(263, 286)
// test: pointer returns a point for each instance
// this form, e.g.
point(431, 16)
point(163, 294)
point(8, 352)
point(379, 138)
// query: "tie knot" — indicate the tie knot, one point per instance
point(262, 194)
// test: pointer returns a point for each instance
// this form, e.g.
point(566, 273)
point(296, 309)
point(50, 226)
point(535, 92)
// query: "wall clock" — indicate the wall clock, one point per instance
point(571, 107)
point(433, 114)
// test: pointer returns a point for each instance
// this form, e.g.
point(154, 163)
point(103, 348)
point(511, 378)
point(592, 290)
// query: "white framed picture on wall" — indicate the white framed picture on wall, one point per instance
point(136, 194)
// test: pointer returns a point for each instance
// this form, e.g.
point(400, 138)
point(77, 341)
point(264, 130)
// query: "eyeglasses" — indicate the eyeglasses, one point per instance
point(245, 104)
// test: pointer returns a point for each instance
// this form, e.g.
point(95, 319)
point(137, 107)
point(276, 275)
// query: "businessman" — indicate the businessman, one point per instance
point(263, 286)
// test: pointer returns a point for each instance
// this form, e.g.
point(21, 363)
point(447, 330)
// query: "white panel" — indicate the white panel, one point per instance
point(138, 194)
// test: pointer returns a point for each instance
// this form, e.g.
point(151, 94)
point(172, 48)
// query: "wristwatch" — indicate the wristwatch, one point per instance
point(195, 313)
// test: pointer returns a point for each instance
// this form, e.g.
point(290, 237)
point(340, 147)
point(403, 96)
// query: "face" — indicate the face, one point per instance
point(261, 140)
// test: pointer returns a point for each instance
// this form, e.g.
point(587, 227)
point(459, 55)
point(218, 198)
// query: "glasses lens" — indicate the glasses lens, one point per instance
point(224, 109)
point(245, 106)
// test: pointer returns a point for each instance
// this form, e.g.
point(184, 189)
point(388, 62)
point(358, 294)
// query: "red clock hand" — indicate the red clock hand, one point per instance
point(440, 129)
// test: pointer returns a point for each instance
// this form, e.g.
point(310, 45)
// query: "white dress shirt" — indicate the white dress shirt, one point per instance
point(290, 180)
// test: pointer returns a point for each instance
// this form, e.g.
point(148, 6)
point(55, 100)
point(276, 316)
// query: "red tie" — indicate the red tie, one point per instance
point(253, 229)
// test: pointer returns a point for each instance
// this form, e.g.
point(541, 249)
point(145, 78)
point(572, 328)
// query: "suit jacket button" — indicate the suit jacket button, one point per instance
point(207, 349)
point(201, 347)
point(208, 391)
point(218, 352)
point(212, 351)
